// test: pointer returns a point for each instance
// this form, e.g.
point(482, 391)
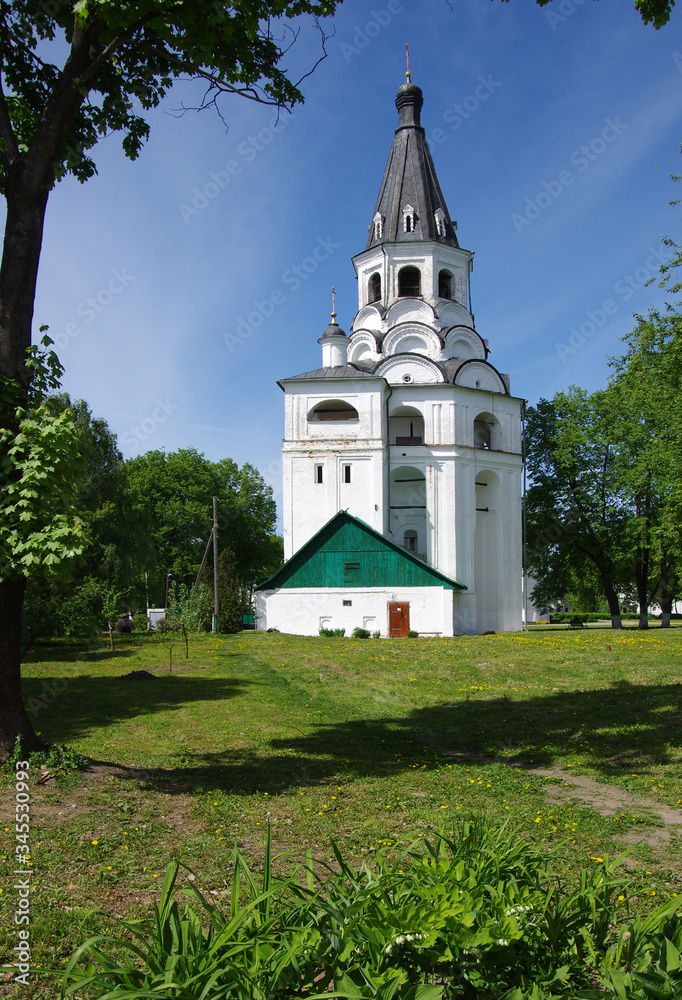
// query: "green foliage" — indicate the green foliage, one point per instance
point(670, 269)
point(189, 610)
point(140, 622)
point(58, 760)
point(574, 506)
point(561, 617)
point(42, 455)
point(475, 914)
point(412, 635)
point(173, 492)
point(234, 594)
point(360, 633)
point(330, 633)
point(126, 56)
point(120, 546)
point(604, 507)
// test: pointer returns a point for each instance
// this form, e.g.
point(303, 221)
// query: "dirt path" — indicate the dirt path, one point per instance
point(607, 800)
point(603, 798)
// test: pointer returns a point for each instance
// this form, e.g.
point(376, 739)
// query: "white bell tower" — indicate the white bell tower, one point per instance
point(407, 425)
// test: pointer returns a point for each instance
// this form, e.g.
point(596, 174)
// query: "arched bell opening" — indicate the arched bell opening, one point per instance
point(409, 282)
point(332, 409)
point(406, 426)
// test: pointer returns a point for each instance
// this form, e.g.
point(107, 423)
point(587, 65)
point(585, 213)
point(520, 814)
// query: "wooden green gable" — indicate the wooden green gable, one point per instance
point(346, 552)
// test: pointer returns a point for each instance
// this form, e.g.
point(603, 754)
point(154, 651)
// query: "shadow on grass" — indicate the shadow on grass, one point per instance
point(617, 730)
point(79, 705)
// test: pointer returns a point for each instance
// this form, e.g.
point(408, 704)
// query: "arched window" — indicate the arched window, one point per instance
point(378, 226)
point(332, 409)
point(444, 285)
point(409, 281)
point(440, 222)
point(410, 540)
point(375, 288)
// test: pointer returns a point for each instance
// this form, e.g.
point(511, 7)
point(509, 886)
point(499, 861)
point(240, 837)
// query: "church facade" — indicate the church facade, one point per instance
point(402, 453)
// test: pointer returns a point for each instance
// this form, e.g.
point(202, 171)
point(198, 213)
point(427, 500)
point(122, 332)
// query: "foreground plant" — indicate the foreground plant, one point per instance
point(478, 914)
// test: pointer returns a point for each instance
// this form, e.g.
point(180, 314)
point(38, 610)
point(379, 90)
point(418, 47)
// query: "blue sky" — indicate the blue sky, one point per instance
point(554, 131)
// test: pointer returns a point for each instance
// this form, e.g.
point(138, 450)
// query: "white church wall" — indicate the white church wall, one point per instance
point(304, 612)
point(309, 504)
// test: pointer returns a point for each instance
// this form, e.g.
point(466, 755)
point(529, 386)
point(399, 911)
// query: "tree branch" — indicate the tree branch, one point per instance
point(9, 149)
point(113, 45)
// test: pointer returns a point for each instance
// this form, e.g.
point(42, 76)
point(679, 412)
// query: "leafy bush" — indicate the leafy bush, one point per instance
point(59, 760)
point(376, 635)
point(475, 915)
point(329, 633)
point(564, 617)
point(360, 633)
point(140, 622)
point(412, 635)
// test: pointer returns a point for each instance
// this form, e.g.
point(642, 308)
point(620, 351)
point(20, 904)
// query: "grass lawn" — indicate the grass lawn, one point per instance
point(574, 736)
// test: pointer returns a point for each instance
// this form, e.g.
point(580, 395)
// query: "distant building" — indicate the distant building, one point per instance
point(409, 429)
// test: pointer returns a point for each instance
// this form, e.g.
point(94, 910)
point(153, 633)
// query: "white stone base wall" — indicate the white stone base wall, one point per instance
point(304, 612)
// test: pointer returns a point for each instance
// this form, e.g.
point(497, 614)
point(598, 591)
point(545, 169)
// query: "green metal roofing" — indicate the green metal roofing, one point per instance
point(346, 552)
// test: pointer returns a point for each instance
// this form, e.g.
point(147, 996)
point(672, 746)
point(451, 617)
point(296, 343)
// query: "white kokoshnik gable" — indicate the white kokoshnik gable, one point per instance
point(408, 428)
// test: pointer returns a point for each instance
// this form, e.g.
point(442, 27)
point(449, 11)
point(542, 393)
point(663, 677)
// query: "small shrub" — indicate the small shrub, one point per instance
point(376, 635)
point(141, 622)
point(329, 633)
point(412, 635)
point(59, 760)
point(360, 633)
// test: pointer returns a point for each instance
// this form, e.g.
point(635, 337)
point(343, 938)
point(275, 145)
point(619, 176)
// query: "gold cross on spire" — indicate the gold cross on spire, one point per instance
point(408, 74)
point(333, 304)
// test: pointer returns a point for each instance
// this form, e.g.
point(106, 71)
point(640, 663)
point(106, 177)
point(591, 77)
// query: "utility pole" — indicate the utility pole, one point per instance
point(216, 608)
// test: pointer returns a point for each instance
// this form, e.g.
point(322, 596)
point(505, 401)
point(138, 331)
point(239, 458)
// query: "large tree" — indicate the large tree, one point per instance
point(70, 73)
point(42, 457)
point(575, 507)
point(119, 545)
point(173, 492)
point(606, 478)
point(646, 390)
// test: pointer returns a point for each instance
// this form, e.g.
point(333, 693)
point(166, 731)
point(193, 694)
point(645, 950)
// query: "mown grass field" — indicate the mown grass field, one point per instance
point(373, 743)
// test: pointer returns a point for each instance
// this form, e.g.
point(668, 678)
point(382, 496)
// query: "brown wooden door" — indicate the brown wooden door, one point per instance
point(398, 618)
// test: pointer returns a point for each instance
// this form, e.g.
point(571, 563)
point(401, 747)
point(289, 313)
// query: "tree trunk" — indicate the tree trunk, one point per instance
point(642, 584)
point(670, 588)
point(14, 720)
point(612, 601)
point(18, 273)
